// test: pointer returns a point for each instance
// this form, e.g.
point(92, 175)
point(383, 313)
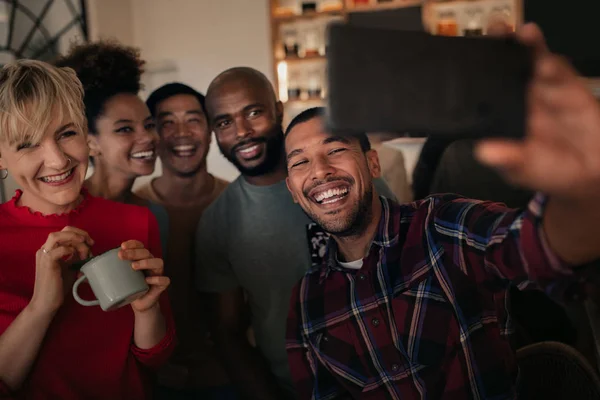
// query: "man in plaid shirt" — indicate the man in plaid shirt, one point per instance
point(410, 302)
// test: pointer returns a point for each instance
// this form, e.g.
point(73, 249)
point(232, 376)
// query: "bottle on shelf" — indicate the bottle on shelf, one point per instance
point(309, 7)
point(303, 79)
point(289, 35)
point(474, 21)
point(322, 32)
point(447, 25)
point(311, 41)
point(294, 84)
point(500, 20)
point(314, 82)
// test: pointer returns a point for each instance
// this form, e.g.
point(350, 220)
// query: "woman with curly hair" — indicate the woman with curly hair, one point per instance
point(122, 134)
point(51, 347)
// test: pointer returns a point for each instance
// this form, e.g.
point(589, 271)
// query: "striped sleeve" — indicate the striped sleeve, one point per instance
point(512, 242)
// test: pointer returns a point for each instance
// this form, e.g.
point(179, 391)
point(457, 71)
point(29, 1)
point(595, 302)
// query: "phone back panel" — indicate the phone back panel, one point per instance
point(412, 82)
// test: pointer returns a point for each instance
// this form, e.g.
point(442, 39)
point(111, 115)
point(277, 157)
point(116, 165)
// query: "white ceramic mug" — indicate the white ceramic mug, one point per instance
point(114, 282)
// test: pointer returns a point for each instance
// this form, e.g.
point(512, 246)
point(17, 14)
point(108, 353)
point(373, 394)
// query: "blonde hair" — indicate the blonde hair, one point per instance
point(33, 95)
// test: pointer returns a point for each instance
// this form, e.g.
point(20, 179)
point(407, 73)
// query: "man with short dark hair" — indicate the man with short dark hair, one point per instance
point(185, 189)
point(409, 302)
point(253, 240)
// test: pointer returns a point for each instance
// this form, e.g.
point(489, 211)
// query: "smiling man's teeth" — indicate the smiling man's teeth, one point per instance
point(323, 196)
point(249, 149)
point(186, 147)
point(143, 154)
point(57, 178)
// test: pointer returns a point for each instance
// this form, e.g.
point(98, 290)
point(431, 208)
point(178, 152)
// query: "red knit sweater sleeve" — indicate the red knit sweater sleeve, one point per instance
point(157, 355)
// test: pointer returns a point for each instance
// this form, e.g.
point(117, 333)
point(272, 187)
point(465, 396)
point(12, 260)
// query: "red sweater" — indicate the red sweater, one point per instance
point(87, 353)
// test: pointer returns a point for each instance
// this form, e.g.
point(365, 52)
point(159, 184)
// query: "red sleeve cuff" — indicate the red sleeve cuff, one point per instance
point(158, 355)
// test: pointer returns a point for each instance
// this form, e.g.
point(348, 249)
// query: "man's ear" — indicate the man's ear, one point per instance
point(373, 163)
point(279, 110)
point(287, 183)
point(94, 146)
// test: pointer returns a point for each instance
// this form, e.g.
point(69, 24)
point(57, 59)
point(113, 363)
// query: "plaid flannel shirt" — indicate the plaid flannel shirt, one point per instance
point(426, 316)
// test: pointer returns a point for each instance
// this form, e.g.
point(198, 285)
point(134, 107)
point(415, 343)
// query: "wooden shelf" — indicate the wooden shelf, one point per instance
point(388, 5)
point(306, 16)
point(296, 59)
point(310, 102)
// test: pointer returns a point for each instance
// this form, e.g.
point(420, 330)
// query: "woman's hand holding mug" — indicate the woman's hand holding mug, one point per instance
point(143, 260)
point(52, 276)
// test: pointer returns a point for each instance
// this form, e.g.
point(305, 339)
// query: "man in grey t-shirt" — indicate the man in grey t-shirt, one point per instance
point(253, 238)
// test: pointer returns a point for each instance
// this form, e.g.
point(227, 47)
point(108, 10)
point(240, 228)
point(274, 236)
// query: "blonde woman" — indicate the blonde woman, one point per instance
point(50, 346)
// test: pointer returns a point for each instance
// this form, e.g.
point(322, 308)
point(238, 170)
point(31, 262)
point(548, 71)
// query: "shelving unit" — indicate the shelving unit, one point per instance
point(378, 6)
point(293, 67)
point(306, 103)
point(286, 17)
point(301, 69)
point(297, 59)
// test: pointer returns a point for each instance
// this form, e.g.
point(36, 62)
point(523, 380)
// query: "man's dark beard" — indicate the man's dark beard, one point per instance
point(360, 220)
point(273, 153)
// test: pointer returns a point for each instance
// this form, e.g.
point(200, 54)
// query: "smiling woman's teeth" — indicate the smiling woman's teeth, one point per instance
point(323, 196)
point(57, 178)
point(143, 154)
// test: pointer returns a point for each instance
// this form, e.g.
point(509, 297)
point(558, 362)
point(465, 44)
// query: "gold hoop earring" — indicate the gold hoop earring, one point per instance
point(5, 173)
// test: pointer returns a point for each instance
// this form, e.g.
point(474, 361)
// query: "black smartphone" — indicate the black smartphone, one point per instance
point(383, 80)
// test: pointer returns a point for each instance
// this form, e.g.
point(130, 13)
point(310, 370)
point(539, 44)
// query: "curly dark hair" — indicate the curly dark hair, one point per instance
point(105, 68)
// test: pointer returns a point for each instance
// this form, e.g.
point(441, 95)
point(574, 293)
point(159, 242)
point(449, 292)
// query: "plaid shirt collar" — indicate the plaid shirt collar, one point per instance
point(384, 237)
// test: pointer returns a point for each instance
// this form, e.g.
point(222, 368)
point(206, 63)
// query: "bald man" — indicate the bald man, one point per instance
point(253, 238)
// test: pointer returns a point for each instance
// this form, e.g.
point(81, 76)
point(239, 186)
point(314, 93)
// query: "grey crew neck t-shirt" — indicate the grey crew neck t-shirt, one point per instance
point(257, 238)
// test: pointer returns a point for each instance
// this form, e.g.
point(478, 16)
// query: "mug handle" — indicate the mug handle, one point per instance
point(79, 299)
